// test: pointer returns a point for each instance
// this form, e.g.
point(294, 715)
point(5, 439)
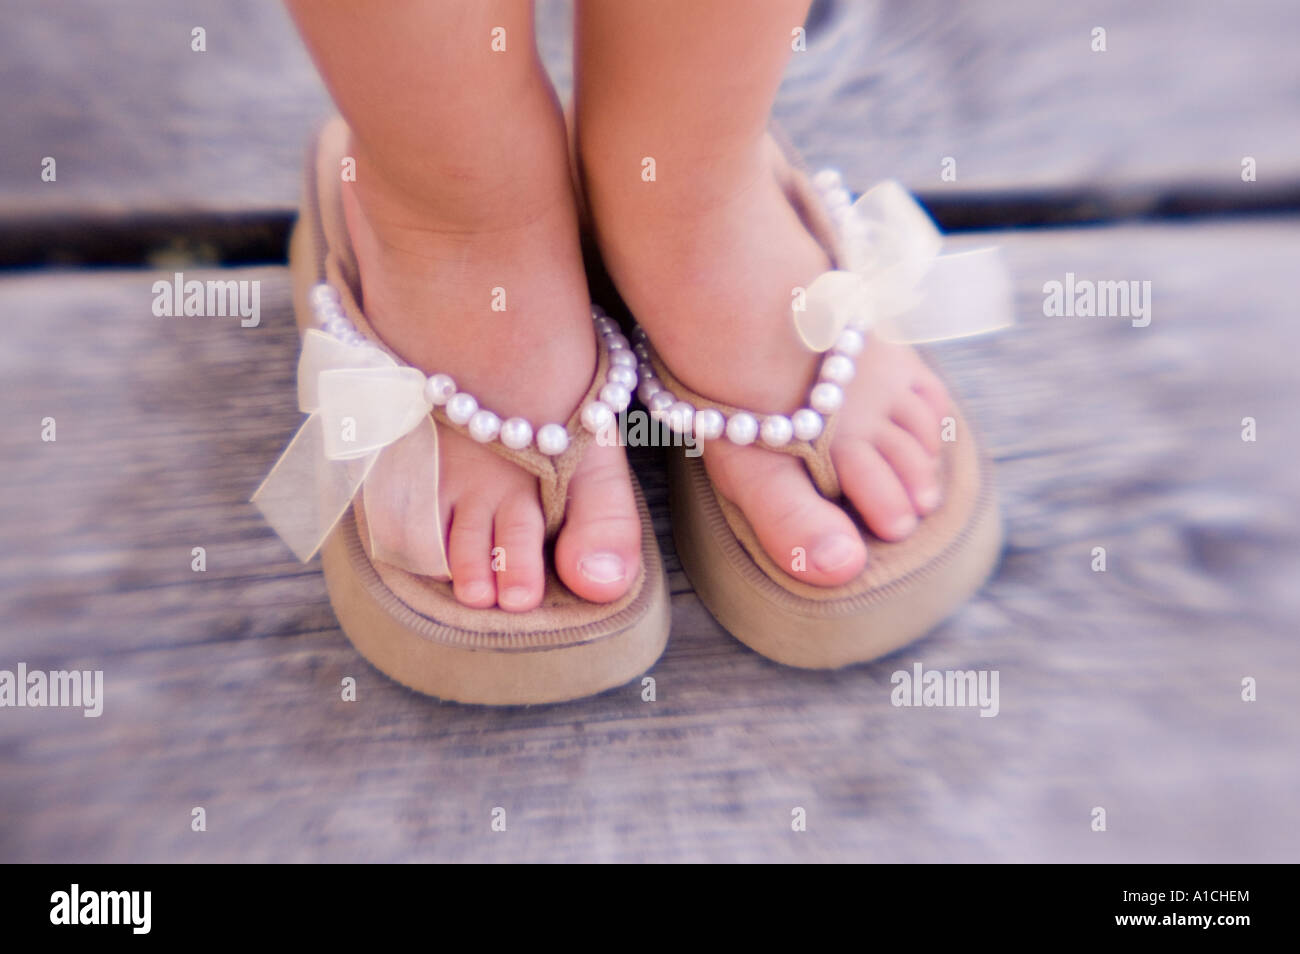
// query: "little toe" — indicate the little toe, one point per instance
point(517, 537)
point(916, 468)
point(469, 546)
point(931, 389)
point(915, 415)
point(874, 488)
point(598, 552)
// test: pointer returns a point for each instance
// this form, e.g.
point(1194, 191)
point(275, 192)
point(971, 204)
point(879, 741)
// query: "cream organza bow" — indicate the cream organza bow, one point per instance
point(369, 427)
point(893, 281)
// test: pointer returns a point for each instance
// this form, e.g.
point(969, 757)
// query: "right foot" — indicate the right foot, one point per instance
point(429, 266)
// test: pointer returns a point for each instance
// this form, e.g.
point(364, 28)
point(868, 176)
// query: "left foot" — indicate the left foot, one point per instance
point(711, 283)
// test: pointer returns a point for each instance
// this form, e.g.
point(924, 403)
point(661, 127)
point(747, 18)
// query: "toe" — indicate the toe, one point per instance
point(598, 552)
point(469, 552)
point(915, 466)
point(804, 533)
point(915, 415)
point(932, 391)
point(875, 489)
point(518, 533)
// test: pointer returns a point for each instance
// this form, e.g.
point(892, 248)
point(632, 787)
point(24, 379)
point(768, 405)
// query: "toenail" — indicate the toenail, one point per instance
point(833, 553)
point(477, 592)
point(516, 596)
point(602, 567)
point(928, 499)
point(905, 525)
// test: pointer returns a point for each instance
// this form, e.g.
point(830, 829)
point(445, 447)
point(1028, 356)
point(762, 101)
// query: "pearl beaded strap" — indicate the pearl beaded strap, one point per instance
point(463, 409)
point(826, 396)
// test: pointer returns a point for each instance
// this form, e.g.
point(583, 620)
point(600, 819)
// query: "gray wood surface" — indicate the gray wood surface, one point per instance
point(1118, 689)
point(138, 122)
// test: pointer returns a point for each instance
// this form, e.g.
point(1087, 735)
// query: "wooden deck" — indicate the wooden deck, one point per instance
point(1119, 689)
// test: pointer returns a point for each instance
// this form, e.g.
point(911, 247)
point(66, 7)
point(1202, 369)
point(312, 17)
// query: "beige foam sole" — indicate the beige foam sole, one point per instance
point(532, 665)
point(906, 590)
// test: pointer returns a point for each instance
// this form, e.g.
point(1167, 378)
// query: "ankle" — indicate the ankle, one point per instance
point(515, 178)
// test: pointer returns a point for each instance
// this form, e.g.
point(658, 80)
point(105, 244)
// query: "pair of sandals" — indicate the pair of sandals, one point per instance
point(372, 435)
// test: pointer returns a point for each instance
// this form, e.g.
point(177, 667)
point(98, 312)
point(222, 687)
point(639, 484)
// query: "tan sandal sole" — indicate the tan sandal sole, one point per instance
point(906, 589)
point(533, 665)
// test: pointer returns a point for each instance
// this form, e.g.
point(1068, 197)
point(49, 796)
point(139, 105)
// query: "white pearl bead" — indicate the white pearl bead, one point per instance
point(648, 389)
point(838, 369)
point(337, 328)
point(807, 424)
point(680, 417)
point(709, 424)
point(826, 398)
point(607, 326)
point(516, 433)
point(642, 351)
point(827, 179)
point(660, 402)
point(624, 376)
point(323, 293)
point(623, 359)
point(484, 426)
point(597, 416)
point(638, 333)
point(850, 342)
point(742, 428)
point(461, 407)
point(616, 396)
point(439, 389)
point(552, 439)
point(776, 430)
point(616, 342)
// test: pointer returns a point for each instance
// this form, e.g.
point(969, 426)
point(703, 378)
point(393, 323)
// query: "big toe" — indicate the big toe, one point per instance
point(805, 534)
point(598, 552)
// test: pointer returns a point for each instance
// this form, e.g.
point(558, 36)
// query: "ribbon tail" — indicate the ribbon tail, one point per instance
point(305, 494)
point(968, 293)
point(402, 491)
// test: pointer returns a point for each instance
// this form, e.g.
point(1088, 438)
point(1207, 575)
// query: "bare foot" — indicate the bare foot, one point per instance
point(708, 269)
point(430, 267)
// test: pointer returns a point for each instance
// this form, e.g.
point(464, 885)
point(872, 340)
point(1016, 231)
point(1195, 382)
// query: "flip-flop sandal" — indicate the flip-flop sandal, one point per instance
point(888, 280)
point(372, 436)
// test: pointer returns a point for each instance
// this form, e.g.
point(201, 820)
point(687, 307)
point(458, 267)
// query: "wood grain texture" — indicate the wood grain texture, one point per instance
point(139, 123)
point(1118, 689)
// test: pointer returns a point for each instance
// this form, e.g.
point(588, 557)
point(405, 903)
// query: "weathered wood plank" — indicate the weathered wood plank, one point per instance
point(1119, 689)
point(138, 122)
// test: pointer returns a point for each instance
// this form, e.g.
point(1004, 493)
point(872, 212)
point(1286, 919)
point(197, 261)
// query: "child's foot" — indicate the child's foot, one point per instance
point(707, 266)
point(432, 265)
